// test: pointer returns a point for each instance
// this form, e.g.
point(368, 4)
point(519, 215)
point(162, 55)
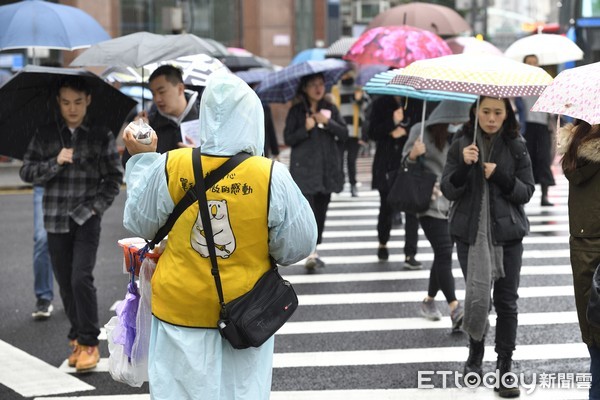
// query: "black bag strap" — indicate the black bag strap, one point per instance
point(191, 197)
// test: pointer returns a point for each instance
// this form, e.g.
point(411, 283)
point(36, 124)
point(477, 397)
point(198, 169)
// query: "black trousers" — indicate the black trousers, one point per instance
point(437, 232)
point(351, 148)
point(539, 145)
point(319, 202)
point(504, 294)
point(384, 226)
point(73, 259)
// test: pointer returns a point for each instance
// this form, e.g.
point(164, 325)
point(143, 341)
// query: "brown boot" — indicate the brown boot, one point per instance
point(75, 350)
point(88, 358)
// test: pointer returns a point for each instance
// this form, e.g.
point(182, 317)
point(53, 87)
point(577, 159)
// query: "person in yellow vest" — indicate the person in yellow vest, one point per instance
point(261, 213)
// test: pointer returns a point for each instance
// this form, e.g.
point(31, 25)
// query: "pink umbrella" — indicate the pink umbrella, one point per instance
point(471, 45)
point(396, 46)
point(574, 92)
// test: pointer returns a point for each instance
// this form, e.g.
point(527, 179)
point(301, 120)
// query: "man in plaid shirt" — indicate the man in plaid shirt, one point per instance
point(79, 167)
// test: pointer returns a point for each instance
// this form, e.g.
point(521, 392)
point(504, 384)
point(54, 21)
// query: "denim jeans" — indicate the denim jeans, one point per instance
point(43, 279)
point(595, 371)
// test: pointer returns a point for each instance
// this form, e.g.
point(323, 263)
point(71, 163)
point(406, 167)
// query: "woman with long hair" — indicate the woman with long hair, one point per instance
point(579, 144)
point(315, 131)
point(488, 179)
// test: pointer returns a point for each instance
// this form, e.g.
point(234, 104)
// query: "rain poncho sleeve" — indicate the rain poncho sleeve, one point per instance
point(291, 221)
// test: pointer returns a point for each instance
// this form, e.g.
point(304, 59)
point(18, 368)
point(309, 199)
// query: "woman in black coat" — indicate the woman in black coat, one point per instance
point(488, 183)
point(315, 131)
point(390, 121)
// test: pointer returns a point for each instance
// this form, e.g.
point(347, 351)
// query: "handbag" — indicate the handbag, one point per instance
point(251, 319)
point(411, 187)
point(593, 307)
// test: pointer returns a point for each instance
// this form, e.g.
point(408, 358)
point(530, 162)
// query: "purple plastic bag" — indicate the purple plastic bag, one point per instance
point(126, 310)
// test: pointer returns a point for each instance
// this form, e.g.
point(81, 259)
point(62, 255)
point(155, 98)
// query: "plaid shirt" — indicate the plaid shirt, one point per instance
point(73, 191)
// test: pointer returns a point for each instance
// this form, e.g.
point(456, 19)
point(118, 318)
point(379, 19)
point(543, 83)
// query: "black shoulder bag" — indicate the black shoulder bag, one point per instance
point(251, 319)
point(411, 187)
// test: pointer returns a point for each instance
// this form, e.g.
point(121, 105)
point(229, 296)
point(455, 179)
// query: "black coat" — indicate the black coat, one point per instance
point(510, 187)
point(315, 159)
point(388, 151)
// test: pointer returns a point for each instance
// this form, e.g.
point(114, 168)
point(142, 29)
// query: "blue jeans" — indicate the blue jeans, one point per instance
point(595, 371)
point(43, 279)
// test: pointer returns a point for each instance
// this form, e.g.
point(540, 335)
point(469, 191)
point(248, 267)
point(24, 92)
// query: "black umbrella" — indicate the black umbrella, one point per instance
point(28, 100)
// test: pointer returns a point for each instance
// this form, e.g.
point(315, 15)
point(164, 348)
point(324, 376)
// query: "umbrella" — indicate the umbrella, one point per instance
point(36, 23)
point(367, 71)
point(549, 48)
point(142, 48)
point(28, 100)
point(438, 19)
point(241, 60)
point(121, 75)
point(255, 75)
point(314, 54)
point(479, 74)
point(340, 47)
point(396, 46)
point(281, 86)
point(471, 45)
point(195, 68)
point(574, 92)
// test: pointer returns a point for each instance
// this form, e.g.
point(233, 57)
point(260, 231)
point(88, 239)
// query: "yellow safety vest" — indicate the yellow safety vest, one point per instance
point(183, 289)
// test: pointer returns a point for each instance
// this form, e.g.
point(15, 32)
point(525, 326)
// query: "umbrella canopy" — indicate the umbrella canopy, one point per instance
point(315, 54)
point(253, 76)
point(195, 68)
point(574, 92)
point(37, 23)
point(242, 60)
point(280, 86)
point(472, 45)
point(380, 84)
point(396, 46)
point(142, 48)
point(340, 47)
point(28, 100)
point(365, 72)
point(438, 19)
point(549, 48)
point(484, 75)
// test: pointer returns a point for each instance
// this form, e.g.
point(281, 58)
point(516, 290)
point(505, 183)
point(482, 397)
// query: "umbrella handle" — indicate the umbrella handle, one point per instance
point(476, 121)
point(423, 120)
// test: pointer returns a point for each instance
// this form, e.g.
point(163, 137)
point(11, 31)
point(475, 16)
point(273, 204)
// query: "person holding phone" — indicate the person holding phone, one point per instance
point(315, 131)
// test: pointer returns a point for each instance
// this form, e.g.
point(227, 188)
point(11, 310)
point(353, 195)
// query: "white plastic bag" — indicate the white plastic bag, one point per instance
point(133, 370)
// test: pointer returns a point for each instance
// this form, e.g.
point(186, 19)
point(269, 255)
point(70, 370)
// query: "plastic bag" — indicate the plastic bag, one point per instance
point(128, 333)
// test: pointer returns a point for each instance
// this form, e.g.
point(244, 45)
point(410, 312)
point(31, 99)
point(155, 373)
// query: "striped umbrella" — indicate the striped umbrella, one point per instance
point(479, 74)
point(340, 47)
point(196, 68)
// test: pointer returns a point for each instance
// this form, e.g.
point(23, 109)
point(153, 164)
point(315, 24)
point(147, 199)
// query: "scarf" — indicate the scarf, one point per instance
point(485, 262)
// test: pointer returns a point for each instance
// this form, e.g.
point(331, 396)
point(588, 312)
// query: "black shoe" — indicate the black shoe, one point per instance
point(473, 364)
point(312, 263)
point(511, 389)
point(353, 191)
point(382, 254)
point(43, 309)
point(546, 202)
point(412, 263)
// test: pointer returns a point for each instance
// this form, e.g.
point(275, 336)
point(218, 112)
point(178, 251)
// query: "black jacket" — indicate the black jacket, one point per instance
point(388, 151)
point(510, 187)
point(315, 160)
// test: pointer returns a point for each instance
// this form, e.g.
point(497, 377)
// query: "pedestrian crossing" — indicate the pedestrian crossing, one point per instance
point(358, 335)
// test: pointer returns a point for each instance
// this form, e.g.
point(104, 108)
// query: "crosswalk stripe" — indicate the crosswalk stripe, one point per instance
point(401, 324)
point(399, 258)
point(558, 351)
point(109, 397)
point(481, 393)
point(373, 232)
point(382, 276)
point(416, 296)
point(29, 376)
point(333, 222)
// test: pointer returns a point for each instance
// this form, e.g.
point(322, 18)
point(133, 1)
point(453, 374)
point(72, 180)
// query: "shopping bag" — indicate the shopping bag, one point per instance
point(411, 187)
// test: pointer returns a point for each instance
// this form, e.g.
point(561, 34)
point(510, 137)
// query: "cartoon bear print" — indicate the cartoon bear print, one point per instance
point(222, 232)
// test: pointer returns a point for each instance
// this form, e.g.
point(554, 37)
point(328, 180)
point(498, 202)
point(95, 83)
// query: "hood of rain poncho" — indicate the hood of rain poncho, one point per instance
point(225, 96)
point(449, 112)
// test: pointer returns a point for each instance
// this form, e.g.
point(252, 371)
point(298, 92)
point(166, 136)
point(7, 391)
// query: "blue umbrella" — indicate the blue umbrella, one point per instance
point(315, 54)
point(37, 23)
point(254, 75)
point(281, 86)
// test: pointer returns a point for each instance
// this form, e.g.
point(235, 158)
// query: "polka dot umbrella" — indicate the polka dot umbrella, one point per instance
point(479, 74)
